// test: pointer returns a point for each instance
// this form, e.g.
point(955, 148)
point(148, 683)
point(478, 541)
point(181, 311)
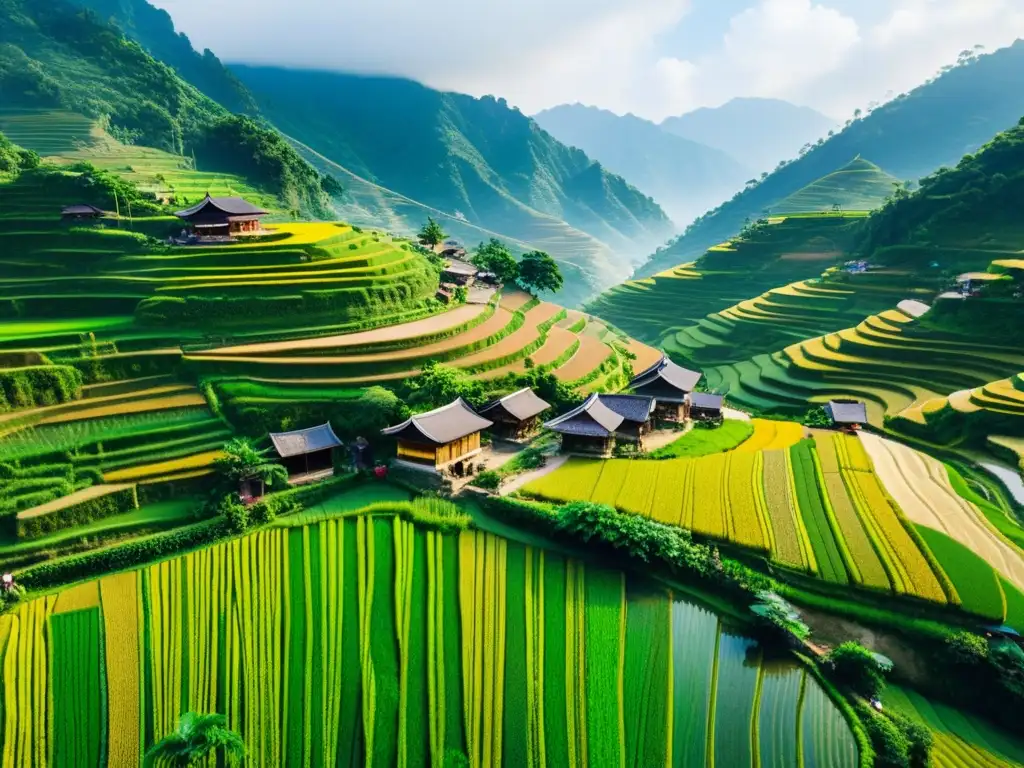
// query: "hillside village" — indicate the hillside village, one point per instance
point(302, 465)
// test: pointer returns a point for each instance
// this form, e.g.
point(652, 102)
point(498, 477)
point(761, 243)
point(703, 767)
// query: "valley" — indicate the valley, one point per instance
point(342, 420)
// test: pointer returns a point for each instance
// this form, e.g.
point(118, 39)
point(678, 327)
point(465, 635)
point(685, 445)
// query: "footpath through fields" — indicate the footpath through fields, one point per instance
point(920, 485)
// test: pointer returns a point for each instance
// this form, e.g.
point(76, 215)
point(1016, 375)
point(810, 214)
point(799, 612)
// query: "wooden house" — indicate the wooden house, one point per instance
point(307, 454)
point(515, 416)
point(223, 217)
point(602, 420)
point(459, 272)
point(443, 439)
point(81, 212)
point(847, 414)
point(668, 384)
point(704, 406)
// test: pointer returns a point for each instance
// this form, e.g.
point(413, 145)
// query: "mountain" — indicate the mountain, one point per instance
point(153, 29)
point(685, 177)
point(910, 137)
point(477, 160)
point(757, 132)
point(858, 186)
point(58, 56)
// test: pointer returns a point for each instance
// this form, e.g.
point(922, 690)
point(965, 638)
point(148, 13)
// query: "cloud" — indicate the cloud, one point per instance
point(623, 55)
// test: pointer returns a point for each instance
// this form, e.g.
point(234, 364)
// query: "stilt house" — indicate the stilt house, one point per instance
point(704, 406)
point(445, 438)
point(668, 384)
point(515, 416)
point(307, 454)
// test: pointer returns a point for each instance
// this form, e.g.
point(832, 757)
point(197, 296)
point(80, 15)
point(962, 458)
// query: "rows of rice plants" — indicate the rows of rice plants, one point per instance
point(76, 689)
point(748, 517)
point(812, 511)
point(647, 696)
point(119, 598)
point(482, 586)
point(777, 718)
point(710, 498)
point(975, 581)
point(827, 741)
point(354, 640)
point(604, 643)
point(908, 570)
point(791, 545)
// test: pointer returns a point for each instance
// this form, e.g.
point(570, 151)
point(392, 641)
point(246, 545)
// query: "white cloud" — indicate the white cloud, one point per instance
point(833, 55)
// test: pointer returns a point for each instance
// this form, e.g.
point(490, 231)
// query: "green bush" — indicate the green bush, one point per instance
point(856, 669)
point(38, 385)
point(82, 513)
point(488, 480)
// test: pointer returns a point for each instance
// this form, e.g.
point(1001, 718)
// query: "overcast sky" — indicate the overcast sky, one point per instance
point(654, 58)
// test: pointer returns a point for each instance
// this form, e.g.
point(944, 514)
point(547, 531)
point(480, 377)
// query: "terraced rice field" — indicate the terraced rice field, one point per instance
point(960, 740)
point(821, 506)
point(368, 640)
point(657, 308)
point(897, 366)
point(920, 485)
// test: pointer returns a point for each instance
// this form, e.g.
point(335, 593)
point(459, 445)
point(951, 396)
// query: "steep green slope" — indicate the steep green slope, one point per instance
point(57, 56)
point(153, 29)
point(858, 186)
point(685, 177)
point(909, 137)
point(476, 159)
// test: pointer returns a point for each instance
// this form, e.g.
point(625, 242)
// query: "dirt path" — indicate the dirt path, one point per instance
point(429, 325)
point(921, 487)
point(659, 438)
point(517, 482)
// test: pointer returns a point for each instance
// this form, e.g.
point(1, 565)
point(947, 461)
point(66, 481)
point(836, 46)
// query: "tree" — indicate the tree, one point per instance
point(432, 233)
point(439, 384)
point(242, 460)
point(196, 738)
point(494, 256)
point(859, 670)
point(539, 272)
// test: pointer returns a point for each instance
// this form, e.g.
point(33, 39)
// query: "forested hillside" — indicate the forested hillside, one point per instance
point(683, 176)
point(971, 102)
point(56, 56)
point(153, 29)
point(476, 159)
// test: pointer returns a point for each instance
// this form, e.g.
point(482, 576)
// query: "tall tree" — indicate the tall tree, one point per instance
point(196, 738)
point(539, 272)
point(432, 233)
point(494, 256)
point(242, 460)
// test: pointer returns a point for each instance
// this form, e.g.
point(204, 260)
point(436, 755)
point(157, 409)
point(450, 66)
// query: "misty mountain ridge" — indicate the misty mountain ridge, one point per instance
point(757, 132)
point(685, 177)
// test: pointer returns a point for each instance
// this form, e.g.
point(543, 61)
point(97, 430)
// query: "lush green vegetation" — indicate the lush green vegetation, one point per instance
point(61, 57)
point(527, 186)
point(704, 440)
point(969, 99)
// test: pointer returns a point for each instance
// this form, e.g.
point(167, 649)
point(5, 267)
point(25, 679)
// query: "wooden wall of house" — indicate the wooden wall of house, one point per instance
point(421, 453)
point(456, 449)
point(583, 444)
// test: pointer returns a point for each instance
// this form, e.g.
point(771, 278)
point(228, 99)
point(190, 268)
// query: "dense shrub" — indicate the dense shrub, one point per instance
point(38, 385)
point(489, 480)
point(82, 513)
point(856, 669)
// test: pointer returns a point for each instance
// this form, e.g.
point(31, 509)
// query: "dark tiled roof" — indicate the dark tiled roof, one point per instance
point(523, 404)
point(304, 440)
point(442, 425)
point(681, 378)
point(232, 206)
point(636, 408)
point(847, 412)
point(706, 400)
point(592, 418)
point(81, 209)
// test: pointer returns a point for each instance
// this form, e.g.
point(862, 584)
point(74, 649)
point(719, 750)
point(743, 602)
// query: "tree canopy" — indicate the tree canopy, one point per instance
point(242, 460)
point(432, 233)
point(539, 272)
point(197, 738)
point(494, 256)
